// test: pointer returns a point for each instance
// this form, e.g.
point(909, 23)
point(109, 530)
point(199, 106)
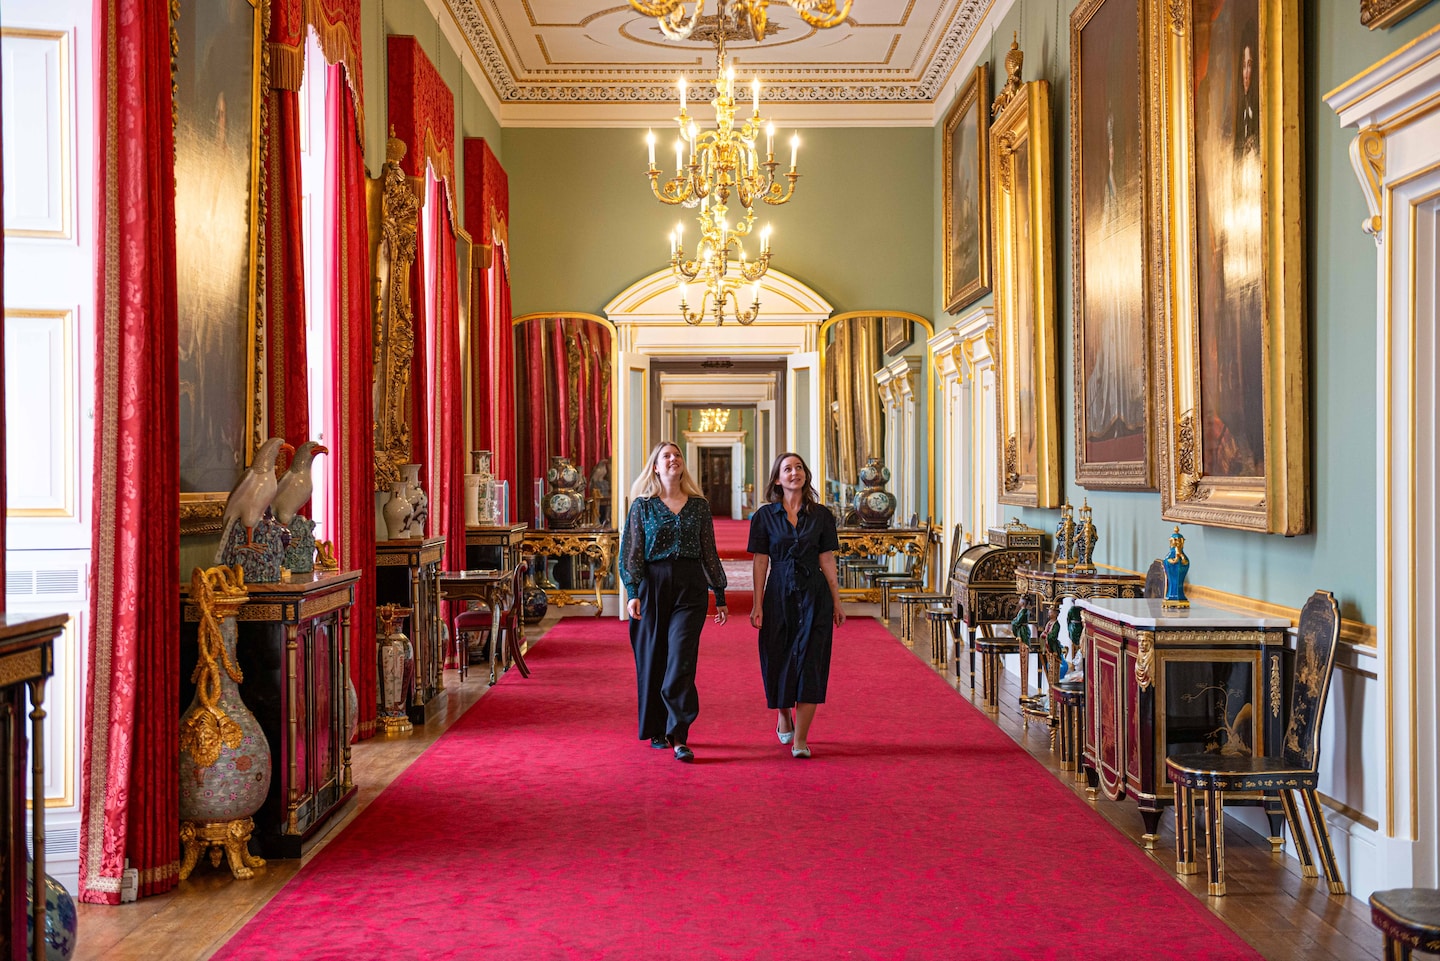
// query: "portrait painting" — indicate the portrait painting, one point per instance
point(216, 187)
point(1228, 198)
point(966, 192)
point(1235, 396)
point(1023, 206)
point(1110, 303)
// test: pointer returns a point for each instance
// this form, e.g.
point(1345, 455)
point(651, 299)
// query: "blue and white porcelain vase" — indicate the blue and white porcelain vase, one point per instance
point(60, 920)
point(874, 505)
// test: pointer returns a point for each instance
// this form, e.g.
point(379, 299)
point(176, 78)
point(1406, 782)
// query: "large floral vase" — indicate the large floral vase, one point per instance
point(874, 505)
point(565, 503)
point(224, 756)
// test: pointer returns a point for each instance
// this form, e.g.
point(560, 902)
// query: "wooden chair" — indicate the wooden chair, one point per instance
point(1294, 768)
point(478, 621)
point(910, 599)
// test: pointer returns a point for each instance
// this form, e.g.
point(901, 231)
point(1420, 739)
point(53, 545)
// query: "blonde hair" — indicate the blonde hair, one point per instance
point(648, 483)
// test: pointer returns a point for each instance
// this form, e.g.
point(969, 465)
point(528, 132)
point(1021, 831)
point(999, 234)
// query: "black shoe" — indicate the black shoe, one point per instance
point(659, 743)
point(683, 753)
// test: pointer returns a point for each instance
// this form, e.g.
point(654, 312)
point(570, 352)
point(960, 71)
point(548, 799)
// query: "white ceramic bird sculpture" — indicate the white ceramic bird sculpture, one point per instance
point(251, 494)
point(295, 485)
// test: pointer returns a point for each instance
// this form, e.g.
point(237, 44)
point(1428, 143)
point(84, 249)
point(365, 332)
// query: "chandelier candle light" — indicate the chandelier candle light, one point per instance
point(723, 162)
point(677, 24)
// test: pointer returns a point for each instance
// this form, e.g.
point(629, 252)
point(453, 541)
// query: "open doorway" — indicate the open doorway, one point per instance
point(715, 470)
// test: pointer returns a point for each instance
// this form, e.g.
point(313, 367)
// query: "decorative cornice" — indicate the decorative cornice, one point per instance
point(645, 87)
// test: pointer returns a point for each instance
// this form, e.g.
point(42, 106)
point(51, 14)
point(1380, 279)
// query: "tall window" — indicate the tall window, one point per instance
point(319, 287)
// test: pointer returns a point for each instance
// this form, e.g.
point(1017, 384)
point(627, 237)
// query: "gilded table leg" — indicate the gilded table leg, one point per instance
point(1297, 834)
point(1215, 839)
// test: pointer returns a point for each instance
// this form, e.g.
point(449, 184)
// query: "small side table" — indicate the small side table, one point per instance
point(1409, 918)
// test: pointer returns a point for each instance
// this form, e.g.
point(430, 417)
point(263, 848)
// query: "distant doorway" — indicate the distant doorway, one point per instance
point(715, 480)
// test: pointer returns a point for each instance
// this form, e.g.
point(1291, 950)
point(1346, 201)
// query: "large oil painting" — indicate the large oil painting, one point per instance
point(966, 192)
point(1235, 426)
point(1022, 201)
point(216, 188)
point(1111, 303)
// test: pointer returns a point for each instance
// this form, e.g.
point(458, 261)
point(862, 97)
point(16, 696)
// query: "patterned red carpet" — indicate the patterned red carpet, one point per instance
point(731, 536)
point(540, 828)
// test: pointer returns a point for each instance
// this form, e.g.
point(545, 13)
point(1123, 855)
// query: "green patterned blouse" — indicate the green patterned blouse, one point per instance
point(654, 533)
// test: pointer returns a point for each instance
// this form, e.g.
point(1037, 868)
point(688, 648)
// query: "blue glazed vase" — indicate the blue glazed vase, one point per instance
point(1176, 565)
point(60, 921)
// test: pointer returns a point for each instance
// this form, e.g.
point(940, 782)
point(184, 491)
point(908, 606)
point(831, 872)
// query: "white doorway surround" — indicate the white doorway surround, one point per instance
point(648, 328)
point(1383, 721)
point(735, 441)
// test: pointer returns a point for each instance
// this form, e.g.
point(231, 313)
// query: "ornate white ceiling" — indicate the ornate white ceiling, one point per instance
point(572, 63)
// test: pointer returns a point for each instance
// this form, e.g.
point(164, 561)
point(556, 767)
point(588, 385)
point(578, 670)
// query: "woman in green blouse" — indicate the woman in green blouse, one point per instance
point(667, 557)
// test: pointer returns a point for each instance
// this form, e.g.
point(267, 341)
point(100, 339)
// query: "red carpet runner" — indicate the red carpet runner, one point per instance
point(731, 536)
point(540, 828)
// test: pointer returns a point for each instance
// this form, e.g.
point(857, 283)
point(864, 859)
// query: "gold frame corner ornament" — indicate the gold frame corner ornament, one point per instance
point(1273, 498)
point(971, 99)
point(1375, 14)
point(1021, 129)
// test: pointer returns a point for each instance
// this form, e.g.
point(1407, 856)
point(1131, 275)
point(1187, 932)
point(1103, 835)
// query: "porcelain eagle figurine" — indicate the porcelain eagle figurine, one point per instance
point(251, 495)
point(294, 487)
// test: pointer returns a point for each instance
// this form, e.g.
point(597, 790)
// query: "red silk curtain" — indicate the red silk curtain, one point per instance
point(564, 378)
point(447, 500)
point(287, 380)
point(492, 339)
point(130, 794)
point(352, 462)
point(422, 113)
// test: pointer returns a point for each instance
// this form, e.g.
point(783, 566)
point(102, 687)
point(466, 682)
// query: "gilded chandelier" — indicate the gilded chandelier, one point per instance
point(676, 24)
point(723, 163)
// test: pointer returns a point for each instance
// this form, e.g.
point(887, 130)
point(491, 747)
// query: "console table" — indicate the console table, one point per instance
point(493, 545)
point(294, 648)
point(27, 660)
point(1161, 682)
point(597, 545)
point(1045, 587)
point(405, 574)
point(911, 542)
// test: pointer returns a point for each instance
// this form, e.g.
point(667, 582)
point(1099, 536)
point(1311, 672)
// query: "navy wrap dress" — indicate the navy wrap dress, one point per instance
point(798, 612)
point(667, 560)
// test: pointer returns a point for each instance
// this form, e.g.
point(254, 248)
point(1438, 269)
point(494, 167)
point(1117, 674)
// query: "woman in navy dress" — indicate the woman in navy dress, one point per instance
point(797, 606)
point(667, 557)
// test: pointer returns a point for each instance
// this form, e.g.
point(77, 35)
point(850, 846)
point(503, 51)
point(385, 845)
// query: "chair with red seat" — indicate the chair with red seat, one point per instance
point(478, 621)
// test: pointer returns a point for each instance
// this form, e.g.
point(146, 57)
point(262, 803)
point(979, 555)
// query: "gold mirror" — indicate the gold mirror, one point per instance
point(875, 401)
point(565, 409)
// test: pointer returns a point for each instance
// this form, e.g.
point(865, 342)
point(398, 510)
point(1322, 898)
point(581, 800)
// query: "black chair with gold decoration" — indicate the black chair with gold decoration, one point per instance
point(1295, 768)
point(910, 599)
point(1409, 919)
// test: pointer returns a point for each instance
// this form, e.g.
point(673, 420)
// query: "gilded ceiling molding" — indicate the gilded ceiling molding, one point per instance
point(659, 87)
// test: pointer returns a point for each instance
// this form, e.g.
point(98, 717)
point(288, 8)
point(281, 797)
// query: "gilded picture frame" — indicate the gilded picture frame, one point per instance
point(966, 192)
point(896, 334)
point(1022, 199)
point(1112, 245)
point(1383, 13)
point(1235, 438)
point(219, 88)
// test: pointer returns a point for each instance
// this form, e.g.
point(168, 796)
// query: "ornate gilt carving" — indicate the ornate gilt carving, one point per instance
point(1381, 13)
point(1275, 685)
point(1004, 150)
point(1014, 60)
point(394, 334)
point(1176, 10)
point(1145, 660)
point(1012, 461)
point(1187, 460)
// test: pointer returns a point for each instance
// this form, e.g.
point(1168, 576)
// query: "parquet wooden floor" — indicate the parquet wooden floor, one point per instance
point(1283, 916)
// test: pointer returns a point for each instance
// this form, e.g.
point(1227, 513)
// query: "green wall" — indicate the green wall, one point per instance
point(584, 225)
point(1340, 554)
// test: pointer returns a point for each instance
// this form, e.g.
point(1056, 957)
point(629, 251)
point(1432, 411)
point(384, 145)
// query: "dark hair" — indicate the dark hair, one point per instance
point(774, 493)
